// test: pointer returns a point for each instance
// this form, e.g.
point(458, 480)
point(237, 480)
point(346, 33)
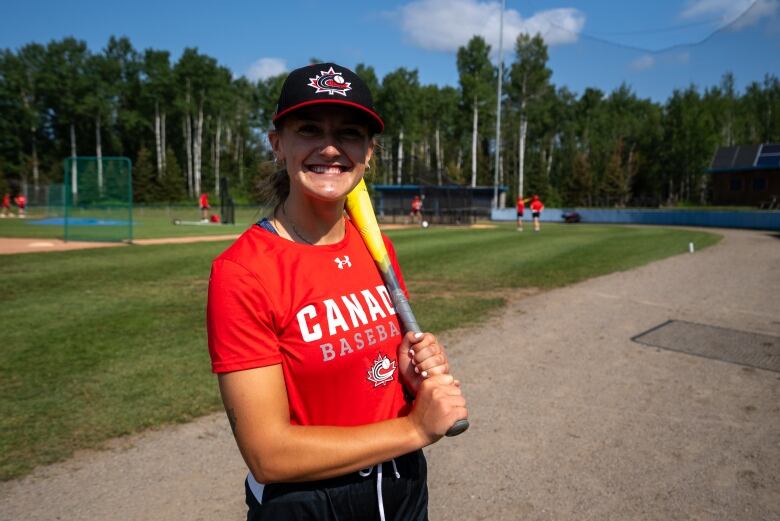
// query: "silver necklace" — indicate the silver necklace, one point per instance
point(292, 225)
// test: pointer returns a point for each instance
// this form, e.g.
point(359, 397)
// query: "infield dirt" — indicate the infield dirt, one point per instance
point(570, 419)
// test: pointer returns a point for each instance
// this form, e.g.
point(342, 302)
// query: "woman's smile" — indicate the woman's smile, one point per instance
point(327, 169)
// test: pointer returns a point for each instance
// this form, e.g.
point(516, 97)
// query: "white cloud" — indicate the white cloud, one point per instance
point(727, 10)
point(760, 9)
point(445, 25)
point(643, 63)
point(265, 68)
point(744, 13)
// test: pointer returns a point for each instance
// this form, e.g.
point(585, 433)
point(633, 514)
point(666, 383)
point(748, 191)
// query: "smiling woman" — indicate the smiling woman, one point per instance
point(322, 388)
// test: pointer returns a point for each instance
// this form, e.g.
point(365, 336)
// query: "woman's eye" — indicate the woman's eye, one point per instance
point(352, 133)
point(308, 130)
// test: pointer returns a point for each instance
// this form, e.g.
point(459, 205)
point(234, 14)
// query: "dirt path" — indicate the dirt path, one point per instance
point(570, 418)
point(10, 246)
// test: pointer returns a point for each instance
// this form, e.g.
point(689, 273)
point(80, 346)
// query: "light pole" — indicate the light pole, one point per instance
point(498, 103)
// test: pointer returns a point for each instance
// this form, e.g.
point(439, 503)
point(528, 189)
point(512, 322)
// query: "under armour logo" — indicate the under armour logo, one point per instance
point(343, 262)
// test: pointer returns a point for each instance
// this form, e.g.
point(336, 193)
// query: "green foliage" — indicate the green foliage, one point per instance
point(397, 102)
point(171, 185)
point(596, 148)
point(143, 177)
point(120, 346)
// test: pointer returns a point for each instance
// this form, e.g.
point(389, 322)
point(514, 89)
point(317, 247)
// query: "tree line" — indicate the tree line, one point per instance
point(187, 124)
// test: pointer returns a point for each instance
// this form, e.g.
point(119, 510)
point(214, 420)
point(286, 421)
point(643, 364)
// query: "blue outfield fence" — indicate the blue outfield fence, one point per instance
point(758, 219)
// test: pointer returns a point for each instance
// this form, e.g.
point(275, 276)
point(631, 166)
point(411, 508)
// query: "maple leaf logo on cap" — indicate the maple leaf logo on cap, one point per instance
point(331, 82)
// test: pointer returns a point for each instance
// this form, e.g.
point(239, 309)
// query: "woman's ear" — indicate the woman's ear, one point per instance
point(276, 146)
point(370, 151)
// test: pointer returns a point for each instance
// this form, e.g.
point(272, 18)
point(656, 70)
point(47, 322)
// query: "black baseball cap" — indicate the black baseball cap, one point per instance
point(326, 83)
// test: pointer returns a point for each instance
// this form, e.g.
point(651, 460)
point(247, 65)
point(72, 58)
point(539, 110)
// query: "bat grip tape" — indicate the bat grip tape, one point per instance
point(404, 310)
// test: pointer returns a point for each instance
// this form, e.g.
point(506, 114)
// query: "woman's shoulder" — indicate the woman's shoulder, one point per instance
point(252, 249)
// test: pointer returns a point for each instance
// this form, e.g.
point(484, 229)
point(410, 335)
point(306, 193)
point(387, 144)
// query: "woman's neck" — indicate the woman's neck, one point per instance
point(311, 223)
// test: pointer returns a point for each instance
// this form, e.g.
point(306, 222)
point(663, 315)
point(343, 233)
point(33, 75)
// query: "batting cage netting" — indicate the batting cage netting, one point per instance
point(98, 199)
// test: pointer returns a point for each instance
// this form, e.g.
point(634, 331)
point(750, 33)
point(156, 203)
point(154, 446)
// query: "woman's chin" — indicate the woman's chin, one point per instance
point(332, 189)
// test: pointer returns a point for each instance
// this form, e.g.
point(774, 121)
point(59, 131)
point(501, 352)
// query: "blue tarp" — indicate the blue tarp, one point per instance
point(79, 221)
point(758, 220)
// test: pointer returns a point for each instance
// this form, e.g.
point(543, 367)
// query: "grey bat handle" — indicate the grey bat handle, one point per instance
point(409, 322)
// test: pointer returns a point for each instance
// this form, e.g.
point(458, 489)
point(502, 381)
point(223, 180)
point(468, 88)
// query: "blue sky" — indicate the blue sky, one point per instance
point(654, 47)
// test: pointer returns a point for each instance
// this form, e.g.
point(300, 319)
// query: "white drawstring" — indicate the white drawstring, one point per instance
point(367, 472)
point(395, 469)
point(379, 492)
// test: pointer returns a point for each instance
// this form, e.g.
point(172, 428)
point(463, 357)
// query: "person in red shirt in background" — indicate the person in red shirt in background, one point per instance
point(536, 211)
point(520, 210)
point(21, 202)
point(6, 205)
point(204, 207)
point(416, 213)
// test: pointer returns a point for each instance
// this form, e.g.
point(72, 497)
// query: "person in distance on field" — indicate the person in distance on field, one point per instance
point(204, 207)
point(520, 210)
point(416, 211)
point(330, 402)
point(536, 211)
point(6, 211)
point(21, 204)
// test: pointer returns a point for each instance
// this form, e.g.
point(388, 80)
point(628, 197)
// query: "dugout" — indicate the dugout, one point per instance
point(442, 204)
point(746, 175)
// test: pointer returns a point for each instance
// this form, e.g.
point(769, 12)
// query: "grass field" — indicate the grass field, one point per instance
point(106, 342)
point(148, 223)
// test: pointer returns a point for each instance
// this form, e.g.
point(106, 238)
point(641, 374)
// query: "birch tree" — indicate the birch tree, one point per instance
point(529, 80)
point(398, 104)
point(158, 90)
point(22, 75)
point(477, 78)
point(129, 125)
point(196, 74)
point(66, 91)
point(102, 74)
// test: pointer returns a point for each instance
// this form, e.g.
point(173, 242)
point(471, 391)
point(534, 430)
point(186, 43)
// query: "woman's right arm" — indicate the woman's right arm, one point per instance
point(276, 451)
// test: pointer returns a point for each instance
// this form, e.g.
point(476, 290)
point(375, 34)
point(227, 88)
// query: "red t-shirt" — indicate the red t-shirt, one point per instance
point(416, 204)
point(204, 200)
point(520, 205)
point(322, 312)
point(6, 201)
point(536, 206)
point(21, 201)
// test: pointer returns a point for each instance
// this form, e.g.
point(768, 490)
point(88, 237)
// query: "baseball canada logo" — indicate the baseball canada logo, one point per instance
point(383, 370)
point(331, 82)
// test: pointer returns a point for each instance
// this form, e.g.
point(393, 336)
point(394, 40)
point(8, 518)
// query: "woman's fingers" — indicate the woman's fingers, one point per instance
point(438, 405)
point(428, 356)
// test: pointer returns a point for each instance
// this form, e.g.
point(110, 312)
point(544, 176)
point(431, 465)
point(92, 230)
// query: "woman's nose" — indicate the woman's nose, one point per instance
point(329, 150)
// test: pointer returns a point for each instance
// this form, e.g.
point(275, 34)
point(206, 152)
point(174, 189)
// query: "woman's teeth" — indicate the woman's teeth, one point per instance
point(326, 169)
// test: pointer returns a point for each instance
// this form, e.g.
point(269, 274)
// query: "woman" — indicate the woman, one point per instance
point(520, 211)
point(329, 401)
point(536, 211)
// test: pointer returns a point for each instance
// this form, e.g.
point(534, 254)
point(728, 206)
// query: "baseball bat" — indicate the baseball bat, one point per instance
point(361, 211)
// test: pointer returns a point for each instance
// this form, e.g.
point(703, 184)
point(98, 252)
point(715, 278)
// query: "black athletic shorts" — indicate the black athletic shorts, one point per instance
point(353, 497)
point(535, 215)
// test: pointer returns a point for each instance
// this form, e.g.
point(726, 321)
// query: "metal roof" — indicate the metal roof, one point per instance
point(765, 156)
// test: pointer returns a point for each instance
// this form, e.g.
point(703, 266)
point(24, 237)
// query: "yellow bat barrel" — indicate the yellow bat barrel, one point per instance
point(361, 211)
